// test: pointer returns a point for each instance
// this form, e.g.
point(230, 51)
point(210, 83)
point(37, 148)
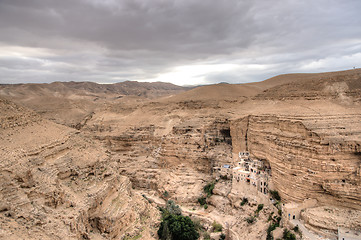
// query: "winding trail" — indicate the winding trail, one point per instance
point(307, 234)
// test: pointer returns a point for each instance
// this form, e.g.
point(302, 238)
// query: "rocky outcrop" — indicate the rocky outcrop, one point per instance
point(310, 156)
point(13, 115)
point(179, 162)
point(326, 220)
point(57, 183)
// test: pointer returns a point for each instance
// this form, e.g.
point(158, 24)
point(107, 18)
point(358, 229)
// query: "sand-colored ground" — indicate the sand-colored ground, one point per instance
point(167, 138)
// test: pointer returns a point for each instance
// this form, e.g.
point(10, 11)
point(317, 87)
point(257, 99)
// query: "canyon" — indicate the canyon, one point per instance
point(88, 161)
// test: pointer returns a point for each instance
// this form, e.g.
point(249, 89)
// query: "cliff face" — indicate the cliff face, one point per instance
point(309, 158)
point(59, 184)
point(179, 162)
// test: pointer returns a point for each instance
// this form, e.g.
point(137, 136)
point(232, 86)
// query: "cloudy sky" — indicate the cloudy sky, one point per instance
point(185, 42)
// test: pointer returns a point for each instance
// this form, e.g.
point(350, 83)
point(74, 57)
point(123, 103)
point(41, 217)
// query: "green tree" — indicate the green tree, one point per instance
point(275, 195)
point(202, 201)
point(217, 227)
point(209, 189)
point(287, 235)
point(171, 209)
point(244, 201)
point(177, 227)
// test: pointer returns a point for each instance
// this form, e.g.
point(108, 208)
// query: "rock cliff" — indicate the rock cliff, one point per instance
point(179, 162)
point(59, 184)
point(310, 156)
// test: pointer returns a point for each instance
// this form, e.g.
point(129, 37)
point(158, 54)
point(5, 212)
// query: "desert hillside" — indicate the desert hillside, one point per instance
point(58, 183)
point(70, 103)
point(79, 156)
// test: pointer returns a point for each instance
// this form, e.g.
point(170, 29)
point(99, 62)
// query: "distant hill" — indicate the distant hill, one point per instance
point(70, 102)
point(287, 86)
point(217, 92)
point(313, 86)
point(144, 89)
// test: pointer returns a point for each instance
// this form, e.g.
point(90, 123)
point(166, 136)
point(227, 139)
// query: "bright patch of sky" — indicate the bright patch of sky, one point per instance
point(185, 42)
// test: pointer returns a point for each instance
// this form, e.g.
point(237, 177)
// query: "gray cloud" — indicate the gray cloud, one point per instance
point(116, 40)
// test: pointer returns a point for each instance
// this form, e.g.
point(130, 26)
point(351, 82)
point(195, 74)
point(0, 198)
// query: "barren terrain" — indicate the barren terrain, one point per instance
point(76, 157)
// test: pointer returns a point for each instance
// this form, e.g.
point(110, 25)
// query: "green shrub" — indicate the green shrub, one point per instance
point(296, 229)
point(206, 236)
point(250, 219)
point(165, 194)
point(244, 201)
point(270, 229)
point(259, 208)
point(197, 224)
point(205, 206)
point(177, 227)
point(287, 235)
point(202, 201)
point(217, 227)
point(222, 237)
point(275, 195)
point(278, 219)
point(209, 189)
point(269, 236)
point(224, 177)
point(170, 209)
point(143, 196)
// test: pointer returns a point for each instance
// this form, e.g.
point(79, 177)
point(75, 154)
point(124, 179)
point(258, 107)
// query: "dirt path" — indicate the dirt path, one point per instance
point(307, 234)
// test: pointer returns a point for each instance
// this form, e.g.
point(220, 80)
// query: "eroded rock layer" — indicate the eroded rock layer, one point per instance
point(59, 184)
point(179, 162)
point(310, 156)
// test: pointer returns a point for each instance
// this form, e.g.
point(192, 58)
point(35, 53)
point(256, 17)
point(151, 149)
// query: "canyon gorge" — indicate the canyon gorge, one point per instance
point(91, 161)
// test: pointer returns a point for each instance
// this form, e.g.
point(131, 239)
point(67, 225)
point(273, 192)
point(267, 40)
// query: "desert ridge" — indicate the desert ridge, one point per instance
point(96, 162)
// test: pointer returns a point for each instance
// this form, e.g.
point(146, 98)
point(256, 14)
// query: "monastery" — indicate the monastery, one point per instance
point(252, 178)
point(248, 174)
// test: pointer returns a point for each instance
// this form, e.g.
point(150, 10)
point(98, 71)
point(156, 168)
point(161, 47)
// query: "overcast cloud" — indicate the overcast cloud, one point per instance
point(180, 41)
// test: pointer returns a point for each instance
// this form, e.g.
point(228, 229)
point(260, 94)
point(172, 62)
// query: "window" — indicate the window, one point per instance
point(294, 217)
